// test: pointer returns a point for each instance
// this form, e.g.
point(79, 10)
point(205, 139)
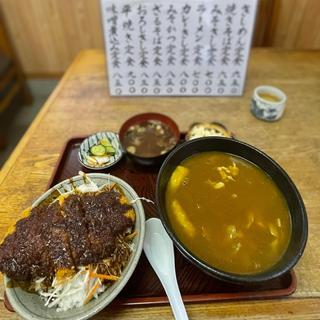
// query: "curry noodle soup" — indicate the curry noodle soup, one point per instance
point(228, 212)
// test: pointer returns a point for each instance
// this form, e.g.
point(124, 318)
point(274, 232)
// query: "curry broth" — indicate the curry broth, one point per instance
point(228, 212)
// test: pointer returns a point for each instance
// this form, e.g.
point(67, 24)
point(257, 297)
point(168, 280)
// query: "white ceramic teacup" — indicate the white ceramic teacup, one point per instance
point(268, 103)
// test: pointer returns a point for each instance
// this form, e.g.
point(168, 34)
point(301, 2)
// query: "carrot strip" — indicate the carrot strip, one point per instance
point(104, 276)
point(92, 291)
point(88, 280)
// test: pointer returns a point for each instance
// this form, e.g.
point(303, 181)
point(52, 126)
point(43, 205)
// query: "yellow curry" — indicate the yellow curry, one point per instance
point(228, 212)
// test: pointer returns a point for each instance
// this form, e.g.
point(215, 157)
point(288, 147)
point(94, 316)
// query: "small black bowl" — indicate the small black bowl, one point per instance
point(143, 117)
point(278, 175)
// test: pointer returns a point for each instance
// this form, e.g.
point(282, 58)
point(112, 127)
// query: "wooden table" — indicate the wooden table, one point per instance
point(81, 105)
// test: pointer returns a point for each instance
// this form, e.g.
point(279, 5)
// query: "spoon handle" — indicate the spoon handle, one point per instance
point(172, 290)
point(158, 248)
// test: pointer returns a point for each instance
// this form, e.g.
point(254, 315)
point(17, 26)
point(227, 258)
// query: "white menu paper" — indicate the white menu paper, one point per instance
point(176, 47)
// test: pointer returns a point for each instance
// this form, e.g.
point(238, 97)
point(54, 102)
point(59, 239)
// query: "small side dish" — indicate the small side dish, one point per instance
point(100, 151)
point(203, 129)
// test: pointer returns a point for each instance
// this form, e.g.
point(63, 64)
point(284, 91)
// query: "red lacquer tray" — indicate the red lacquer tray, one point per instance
point(144, 287)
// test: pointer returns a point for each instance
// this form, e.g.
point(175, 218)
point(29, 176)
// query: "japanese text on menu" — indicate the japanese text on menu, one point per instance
point(177, 47)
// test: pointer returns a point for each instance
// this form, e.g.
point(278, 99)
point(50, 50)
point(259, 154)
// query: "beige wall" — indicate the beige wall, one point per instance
point(47, 34)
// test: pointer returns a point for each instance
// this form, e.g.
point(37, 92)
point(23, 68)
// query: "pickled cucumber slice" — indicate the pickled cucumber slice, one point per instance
point(110, 150)
point(98, 150)
point(105, 142)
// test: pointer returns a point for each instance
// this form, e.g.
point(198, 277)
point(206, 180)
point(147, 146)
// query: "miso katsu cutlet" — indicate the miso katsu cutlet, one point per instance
point(76, 230)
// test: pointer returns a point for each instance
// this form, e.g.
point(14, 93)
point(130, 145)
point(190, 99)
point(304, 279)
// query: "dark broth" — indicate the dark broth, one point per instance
point(149, 139)
point(228, 212)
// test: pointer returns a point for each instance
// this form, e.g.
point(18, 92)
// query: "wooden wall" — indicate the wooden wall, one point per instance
point(294, 24)
point(47, 34)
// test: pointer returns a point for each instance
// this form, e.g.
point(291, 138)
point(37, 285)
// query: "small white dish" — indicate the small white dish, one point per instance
point(268, 103)
point(84, 150)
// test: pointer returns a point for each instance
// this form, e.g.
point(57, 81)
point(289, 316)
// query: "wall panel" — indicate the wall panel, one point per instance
point(48, 34)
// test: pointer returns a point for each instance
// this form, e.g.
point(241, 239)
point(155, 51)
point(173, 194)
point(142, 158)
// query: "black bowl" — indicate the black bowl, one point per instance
point(142, 117)
point(279, 176)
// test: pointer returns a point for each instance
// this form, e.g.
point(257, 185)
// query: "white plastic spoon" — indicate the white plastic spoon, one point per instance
point(158, 248)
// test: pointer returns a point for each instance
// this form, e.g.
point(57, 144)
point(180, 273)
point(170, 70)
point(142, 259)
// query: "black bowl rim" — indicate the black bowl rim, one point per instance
point(215, 272)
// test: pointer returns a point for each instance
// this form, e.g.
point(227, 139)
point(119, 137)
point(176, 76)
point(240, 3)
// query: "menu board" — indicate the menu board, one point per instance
point(176, 47)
